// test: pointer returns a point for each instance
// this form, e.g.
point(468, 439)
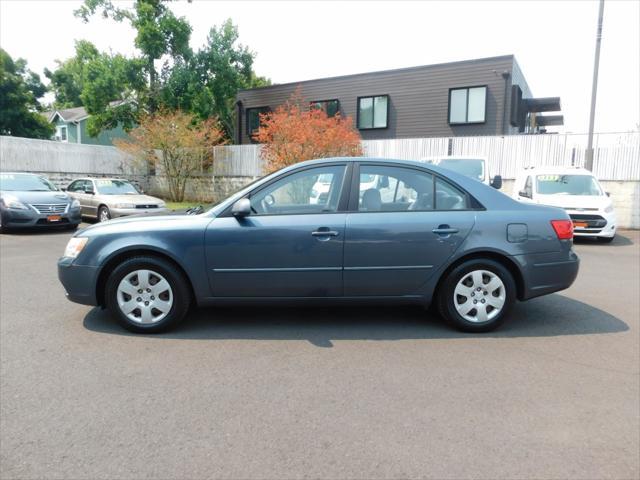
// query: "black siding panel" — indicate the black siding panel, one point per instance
point(418, 97)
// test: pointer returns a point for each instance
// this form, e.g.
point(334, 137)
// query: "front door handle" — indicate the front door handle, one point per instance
point(444, 230)
point(325, 233)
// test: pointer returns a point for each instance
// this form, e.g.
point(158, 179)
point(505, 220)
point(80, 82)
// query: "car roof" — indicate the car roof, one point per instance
point(483, 193)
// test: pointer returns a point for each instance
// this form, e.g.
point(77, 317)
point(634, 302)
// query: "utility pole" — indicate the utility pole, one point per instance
point(594, 89)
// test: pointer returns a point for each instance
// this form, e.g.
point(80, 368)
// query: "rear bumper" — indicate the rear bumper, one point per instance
point(79, 281)
point(546, 273)
point(12, 218)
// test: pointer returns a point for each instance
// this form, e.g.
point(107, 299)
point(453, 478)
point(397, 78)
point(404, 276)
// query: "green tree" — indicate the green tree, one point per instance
point(68, 79)
point(167, 75)
point(106, 85)
point(20, 90)
point(159, 33)
point(207, 82)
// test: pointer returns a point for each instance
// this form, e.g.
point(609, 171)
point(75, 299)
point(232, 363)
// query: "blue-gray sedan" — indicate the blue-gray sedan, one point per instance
point(340, 230)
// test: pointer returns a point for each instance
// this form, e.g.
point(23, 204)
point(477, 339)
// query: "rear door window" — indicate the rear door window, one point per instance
point(394, 189)
point(449, 197)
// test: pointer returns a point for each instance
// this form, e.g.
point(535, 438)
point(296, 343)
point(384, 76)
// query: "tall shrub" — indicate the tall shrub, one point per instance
point(294, 133)
point(177, 143)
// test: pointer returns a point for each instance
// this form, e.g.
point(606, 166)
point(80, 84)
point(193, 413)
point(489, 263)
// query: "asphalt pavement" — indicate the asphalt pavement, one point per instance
point(362, 393)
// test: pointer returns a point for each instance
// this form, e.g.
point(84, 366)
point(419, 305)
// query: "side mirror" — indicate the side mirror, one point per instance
point(64, 189)
point(524, 193)
point(241, 208)
point(608, 194)
point(497, 182)
point(89, 191)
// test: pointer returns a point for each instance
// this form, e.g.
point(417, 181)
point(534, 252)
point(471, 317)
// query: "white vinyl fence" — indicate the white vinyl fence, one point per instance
point(616, 155)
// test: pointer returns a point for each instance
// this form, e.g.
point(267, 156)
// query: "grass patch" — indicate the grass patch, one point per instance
point(182, 205)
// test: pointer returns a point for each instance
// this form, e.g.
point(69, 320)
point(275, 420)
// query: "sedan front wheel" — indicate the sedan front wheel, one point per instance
point(147, 294)
point(476, 295)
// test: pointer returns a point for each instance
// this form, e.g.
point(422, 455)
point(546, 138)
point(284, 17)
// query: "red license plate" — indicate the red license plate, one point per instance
point(53, 218)
point(580, 224)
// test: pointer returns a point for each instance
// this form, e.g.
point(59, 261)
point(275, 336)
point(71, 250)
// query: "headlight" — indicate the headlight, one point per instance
point(162, 205)
point(124, 205)
point(11, 201)
point(609, 209)
point(75, 246)
point(75, 203)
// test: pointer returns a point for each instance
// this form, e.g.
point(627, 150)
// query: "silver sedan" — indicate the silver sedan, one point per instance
point(106, 198)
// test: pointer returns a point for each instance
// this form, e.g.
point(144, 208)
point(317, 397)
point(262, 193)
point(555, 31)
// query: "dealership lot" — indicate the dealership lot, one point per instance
point(322, 393)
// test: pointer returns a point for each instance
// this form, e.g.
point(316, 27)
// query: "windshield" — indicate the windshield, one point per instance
point(567, 185)
point(23, 182)
point(469, 167)
point(115, 187)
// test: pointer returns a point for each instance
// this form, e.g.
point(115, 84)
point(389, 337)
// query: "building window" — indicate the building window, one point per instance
point(373, 112)
point(467, 105)
point(62, 134)
point(253, 118)
point(330, 107)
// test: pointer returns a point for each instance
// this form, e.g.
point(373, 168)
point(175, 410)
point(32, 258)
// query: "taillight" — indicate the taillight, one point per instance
point(563, 228)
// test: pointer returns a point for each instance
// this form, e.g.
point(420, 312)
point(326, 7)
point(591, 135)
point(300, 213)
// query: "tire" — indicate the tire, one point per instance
point(172, 302)
point(104, 214)
point(605, 239)
point(493, 301)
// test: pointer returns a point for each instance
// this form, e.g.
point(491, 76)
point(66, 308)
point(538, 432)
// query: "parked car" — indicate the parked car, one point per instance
point(574, 189)
point(106, 198)
point(456, 242)
point(473, 167)
point(29, 200)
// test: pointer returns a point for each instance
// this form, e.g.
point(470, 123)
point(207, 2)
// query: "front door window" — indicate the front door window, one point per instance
point(316, 190)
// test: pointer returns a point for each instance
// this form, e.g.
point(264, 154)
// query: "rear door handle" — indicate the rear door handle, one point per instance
point(325, 233)
point(445, 230)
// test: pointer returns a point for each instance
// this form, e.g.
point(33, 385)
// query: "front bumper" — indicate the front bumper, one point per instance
point(14, 218)
point(596, 224)
point(79, 281)
point(124, 212)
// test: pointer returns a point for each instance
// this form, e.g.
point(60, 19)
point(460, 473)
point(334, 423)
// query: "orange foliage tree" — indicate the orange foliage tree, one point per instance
point(294, 133)
point(178, 143)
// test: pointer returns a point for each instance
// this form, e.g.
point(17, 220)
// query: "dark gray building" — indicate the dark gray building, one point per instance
point(487, 96)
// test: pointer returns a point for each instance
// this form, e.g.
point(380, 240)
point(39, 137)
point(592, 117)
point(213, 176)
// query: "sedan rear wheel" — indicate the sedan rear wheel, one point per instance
point(476, 295)
point(147, 294)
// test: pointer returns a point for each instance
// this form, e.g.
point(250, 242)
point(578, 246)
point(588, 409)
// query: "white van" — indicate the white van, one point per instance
point(470, 166)
point(574, 189)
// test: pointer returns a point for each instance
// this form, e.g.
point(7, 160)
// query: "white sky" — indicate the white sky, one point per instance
point(553, 41)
